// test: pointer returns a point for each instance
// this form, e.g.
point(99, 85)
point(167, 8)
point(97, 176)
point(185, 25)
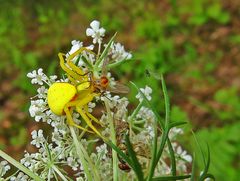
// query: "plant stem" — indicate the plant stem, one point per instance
point(19, 166)
point(80, 154)
point(59, 173)
point(114, 141)
point(136, 111)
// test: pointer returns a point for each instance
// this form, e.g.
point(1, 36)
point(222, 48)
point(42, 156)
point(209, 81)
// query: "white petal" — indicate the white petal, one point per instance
point(89, 32)
point(95, 25)
point(102, 31)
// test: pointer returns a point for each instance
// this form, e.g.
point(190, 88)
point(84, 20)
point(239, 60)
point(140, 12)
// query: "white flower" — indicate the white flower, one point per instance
point(91, 105)
point(28, 160)
point(72, 163)
point(38, 138)
point(95, 32)
point(150, 132)
point(20, 177)
point(38, 77)
point(145, 113)
point(174, 132)
point(4, 167)
point(147, 91)
point(76, 45)
point(183, 154)
point(37, 109)
point(102, 151)
point(42, 92)
point(118, 52)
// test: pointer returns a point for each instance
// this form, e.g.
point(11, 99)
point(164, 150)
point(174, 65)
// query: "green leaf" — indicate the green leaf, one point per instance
point(166, 100)
point(120, 153)
point(89, 65)
point(168, 178)
point(105, 51)
point(175, 124)
point(136, 165)
point(193, 175)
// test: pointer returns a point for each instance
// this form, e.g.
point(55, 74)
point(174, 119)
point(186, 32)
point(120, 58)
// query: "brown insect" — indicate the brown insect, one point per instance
point(122, 128)
point(102, 84)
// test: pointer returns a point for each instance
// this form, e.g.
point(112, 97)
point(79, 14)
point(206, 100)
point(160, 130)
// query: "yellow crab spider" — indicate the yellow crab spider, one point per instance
point(64, 97)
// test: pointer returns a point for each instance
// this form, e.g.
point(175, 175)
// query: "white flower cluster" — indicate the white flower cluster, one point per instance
point(4, 167)
point(58, 151)
point(146, 91)
point(20, 177)
point(118, 52)
point(96, 32)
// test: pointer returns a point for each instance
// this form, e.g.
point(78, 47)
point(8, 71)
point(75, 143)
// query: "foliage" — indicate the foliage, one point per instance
point(166, 36)
point(225, 149)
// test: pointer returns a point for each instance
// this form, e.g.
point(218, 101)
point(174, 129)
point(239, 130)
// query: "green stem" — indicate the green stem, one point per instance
point(59, 173)
point(114, 141)
point(80, 154)
point(112, 65)
point(135, 112)
point(172, 158)
point(19, 166)
point(154, 150)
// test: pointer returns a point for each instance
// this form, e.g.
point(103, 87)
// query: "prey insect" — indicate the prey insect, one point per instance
point(140, 148)
point(102, 84)
point(121, 129)
point(63, 98)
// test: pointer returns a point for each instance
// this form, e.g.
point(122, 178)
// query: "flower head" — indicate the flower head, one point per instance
point(146, 91)
point(95, 32)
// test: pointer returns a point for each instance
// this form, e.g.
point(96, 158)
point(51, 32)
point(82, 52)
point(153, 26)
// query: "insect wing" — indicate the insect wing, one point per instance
point(119, 88)
point(104, 67)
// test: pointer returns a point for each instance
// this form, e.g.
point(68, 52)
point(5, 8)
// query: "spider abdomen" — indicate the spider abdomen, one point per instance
point(59, 94)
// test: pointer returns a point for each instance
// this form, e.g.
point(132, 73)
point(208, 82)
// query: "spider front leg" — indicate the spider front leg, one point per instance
point(70, 119)
point(70, 72)
point(73, 66)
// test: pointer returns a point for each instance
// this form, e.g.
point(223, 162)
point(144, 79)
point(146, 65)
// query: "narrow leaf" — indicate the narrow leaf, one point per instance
point(178, 123)
point(120, 153)
point(136, 165)
point(193, 175)
point(105, 51)
point(169, 178)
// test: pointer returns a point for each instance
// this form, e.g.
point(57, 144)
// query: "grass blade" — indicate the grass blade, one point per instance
point(136, 165)
point(105, 51)
point(170, 178)
point(120, 153)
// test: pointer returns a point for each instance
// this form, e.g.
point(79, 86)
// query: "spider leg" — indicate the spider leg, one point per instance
point(88, 121)
point(71, 73)
point(71, 122)
point(80, 103)
point(72, 79)
point(73, 66)
point(91, 116)
point(80, 50)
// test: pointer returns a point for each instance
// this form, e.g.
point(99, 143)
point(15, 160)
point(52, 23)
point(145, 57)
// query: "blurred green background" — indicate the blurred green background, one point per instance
point(196, 44)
